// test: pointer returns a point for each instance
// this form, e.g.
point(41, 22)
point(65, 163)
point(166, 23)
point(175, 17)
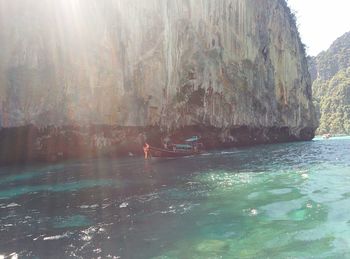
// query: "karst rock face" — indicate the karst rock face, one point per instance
point(170, 64)
point(331, 86)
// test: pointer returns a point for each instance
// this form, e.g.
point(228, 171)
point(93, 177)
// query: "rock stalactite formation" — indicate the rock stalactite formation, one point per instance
point(230, 67)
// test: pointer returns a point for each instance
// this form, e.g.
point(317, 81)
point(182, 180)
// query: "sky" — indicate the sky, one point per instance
point(321, 22)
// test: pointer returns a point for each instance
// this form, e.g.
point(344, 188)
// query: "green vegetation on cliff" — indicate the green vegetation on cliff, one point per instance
point(331, 87)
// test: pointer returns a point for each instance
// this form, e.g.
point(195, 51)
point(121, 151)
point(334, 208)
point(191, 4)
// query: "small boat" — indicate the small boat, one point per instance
point(327, 136)
point(162, 152)
point(191, 147)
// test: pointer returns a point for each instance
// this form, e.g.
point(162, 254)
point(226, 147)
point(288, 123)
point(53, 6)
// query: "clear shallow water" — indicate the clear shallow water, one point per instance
point(273, 201)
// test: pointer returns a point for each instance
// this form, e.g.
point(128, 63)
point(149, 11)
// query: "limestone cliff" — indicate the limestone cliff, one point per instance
point(165, 63)
point(332, 87)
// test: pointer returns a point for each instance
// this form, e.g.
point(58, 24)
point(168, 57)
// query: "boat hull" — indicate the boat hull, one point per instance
point(160, 152)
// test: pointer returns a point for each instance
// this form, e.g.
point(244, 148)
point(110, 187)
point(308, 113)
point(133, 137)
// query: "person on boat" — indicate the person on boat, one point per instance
point(146, 150)
point(167, 143)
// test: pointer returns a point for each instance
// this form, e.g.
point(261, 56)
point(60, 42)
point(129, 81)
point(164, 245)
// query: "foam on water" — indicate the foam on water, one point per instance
point(75, 221)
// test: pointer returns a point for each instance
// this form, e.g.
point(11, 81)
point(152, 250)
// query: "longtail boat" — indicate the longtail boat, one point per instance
point(192, 147)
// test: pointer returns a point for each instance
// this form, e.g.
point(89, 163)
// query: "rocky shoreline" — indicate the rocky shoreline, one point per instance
point(29, 144)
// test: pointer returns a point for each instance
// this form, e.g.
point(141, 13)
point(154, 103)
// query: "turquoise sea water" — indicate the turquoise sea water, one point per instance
point(271, 201)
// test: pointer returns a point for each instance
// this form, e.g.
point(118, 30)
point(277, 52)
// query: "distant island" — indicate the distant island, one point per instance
point(330, 72)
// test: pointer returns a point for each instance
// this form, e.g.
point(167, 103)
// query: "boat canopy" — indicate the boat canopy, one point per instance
point(183, 146)
point(192, 139)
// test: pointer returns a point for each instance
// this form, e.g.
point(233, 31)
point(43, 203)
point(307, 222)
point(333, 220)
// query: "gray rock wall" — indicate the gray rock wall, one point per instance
point(166, 63)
